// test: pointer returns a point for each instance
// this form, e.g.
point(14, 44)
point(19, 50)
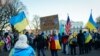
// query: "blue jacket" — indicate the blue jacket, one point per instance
point(22, 52)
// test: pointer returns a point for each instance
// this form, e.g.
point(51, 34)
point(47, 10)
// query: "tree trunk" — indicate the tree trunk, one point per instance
point(13, 29)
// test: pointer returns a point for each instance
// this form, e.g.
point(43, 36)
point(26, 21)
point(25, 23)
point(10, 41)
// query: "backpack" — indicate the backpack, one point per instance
point(74, 40)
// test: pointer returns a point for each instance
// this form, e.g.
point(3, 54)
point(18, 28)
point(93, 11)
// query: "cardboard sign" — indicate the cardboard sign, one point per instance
point(49, 22)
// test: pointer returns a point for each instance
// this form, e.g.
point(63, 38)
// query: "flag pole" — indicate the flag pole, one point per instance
point(91, 11)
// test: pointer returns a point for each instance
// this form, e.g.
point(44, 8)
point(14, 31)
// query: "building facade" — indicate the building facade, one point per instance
point(75, 26)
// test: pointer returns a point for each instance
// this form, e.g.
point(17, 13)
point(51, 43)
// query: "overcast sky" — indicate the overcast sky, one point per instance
point(78, 10)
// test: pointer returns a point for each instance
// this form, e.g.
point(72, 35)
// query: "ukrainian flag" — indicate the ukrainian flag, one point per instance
point(19, 22)
point(54, 43)
point(88, 38)
point(91, 25)
point(57, 44)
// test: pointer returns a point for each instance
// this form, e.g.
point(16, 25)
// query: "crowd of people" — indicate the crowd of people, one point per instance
point(29, 44)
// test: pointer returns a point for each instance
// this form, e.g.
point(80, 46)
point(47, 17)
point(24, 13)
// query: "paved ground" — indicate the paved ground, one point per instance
point(92, 53)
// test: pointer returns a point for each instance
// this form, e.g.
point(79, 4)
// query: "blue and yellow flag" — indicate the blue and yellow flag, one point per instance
point(57, 44)
point(88, 38)
point(91, 25)
point(19, 22)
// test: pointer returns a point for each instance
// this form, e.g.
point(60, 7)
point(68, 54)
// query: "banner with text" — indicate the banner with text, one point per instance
point(49, 23)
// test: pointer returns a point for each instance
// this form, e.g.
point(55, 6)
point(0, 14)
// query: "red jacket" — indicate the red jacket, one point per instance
point(64, 39)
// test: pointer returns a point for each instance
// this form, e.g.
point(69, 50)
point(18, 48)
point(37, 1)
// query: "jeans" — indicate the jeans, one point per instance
point(64, 48)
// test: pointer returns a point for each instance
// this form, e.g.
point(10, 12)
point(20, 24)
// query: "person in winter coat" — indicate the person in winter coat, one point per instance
point(54, 44)
point(64, 42)
point(21, 48)
point(40, 44)
point(7, 41)
point(73, 43)
point(1, 44)
point(81, 42)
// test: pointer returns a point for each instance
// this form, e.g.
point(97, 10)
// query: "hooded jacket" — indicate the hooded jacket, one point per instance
point(21, 48)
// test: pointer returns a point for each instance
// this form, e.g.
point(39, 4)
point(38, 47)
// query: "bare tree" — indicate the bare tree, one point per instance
point(98, 19)
point(98, 23)
point(9, 10)
point(4, 16)
point(36, 23)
